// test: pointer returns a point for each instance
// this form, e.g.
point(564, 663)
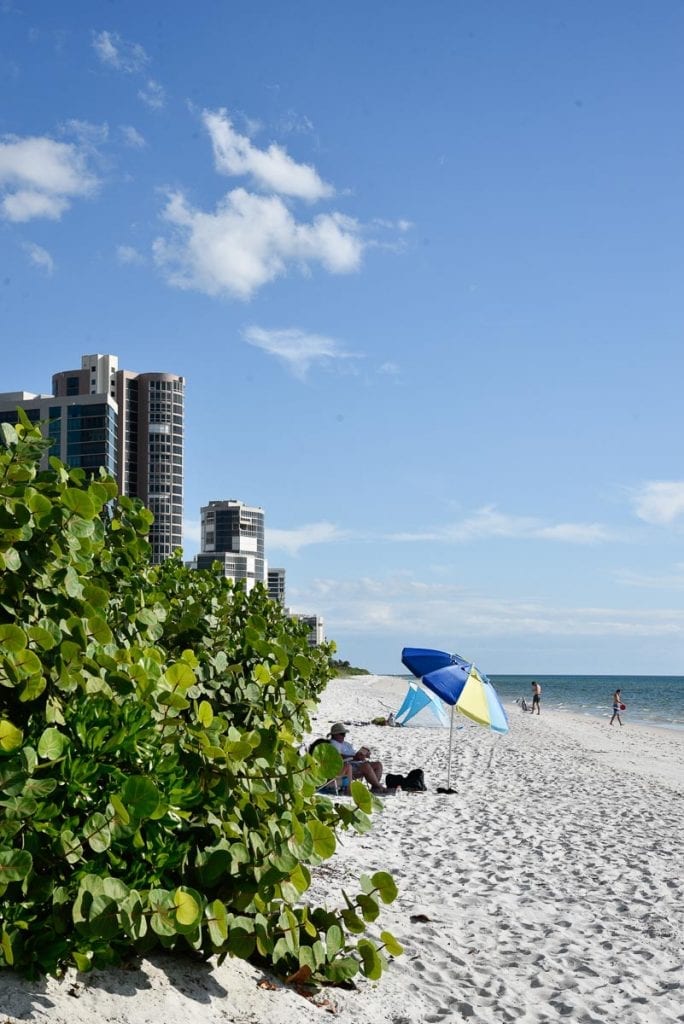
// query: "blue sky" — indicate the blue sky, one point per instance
point(421, 266)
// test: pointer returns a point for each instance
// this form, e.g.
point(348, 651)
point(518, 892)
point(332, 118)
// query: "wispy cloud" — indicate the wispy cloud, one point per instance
point(366, 605)
point(482, 525)
point(127, 255)
point(119, 53)
point(298, 349)
point(272, 169)
point(294, 540)
point(39, 177)
point(153, 94)
point(132, 137)
point(672, 580)
point(487, 522)
point(88, 134)
point(248, 241)
point(292, 123)
point(130, 58)
point(660, 502)
point(39, 256)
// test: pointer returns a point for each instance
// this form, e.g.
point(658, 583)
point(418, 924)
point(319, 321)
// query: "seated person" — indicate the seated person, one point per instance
point(361, 767)
point(342, 782)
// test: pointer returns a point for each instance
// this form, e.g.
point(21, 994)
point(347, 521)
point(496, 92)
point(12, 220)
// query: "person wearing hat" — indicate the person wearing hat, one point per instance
point(361, 767)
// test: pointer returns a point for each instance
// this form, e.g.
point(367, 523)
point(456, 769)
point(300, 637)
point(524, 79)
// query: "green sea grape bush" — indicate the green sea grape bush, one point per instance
point(153, 789)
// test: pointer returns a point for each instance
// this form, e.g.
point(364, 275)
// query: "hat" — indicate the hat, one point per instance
point(337, 727)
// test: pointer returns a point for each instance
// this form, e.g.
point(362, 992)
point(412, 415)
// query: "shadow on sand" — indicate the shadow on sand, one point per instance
point(26, 999)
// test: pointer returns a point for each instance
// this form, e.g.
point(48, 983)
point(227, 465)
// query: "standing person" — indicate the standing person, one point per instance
point(361, 767)
point(617, 706)
point(536, 696)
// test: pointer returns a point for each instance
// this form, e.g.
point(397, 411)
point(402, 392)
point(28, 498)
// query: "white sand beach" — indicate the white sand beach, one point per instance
point(547, 888)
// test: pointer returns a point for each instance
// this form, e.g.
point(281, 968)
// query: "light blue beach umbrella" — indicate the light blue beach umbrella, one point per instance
point(415, 701)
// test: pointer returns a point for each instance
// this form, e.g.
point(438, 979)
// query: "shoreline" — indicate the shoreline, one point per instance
point(599, 711)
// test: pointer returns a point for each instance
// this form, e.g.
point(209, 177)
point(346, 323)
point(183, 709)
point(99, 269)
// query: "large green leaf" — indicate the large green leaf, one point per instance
point(342, 969)
point(12, 638)
point(14, 865)
point(188, 905)
point(96, 832)
point(27, 663)
point(79, 502)
point(10, 737)
point(140, 797)
point(393, 947)
point(361, 796)
point(334, 940)
point(217, 921)
point(51, 744)
point(180, 676)
point(385, 886)
point(44, 638)
point(11, 559)
point(371, 964)
point(9, 435)
point(323, 839)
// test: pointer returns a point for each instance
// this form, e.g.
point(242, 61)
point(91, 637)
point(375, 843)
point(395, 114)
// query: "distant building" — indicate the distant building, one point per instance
point(315, 624)
point(276, 585)
point(130, 423)
point(233, 534)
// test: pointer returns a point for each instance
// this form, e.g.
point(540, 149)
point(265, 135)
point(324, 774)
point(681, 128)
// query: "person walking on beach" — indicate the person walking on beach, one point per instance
point(617, 706)
point(361, 767)
point(536, 696)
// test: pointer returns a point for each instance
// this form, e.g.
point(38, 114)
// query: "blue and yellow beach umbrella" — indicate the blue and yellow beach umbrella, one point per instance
point(459, 683)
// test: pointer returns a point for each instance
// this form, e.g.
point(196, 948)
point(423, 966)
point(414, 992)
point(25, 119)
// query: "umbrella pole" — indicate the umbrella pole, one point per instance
point(451, 733)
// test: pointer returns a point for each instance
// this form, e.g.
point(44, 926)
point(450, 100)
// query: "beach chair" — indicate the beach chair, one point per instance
point(335, 788)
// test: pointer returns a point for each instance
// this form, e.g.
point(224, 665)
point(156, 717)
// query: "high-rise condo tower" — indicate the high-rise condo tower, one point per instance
point(233, 534)
point(130, 423)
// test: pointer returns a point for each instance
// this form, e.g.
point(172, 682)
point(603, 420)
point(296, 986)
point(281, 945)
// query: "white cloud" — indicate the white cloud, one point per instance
point(153, 95)
point(660, 502)
point(673, 580)
point(39, 257)
point(389, 369)
point(576, 533)
point(292, 123)
point(294, 540)
point(272, 168)
point(248, 241)
point(88, 134)
point(127, 255)
point(364, 605)
point(132, 137)
point(484, 524)
point(298, 349)
point(39, 177)
point(488, 522)
point(26, 205)
point(119, 53)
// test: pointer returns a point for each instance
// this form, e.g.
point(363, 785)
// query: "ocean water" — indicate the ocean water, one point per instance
point(650, 700)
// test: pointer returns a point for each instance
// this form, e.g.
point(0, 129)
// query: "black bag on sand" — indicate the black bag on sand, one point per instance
point(413, 782)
